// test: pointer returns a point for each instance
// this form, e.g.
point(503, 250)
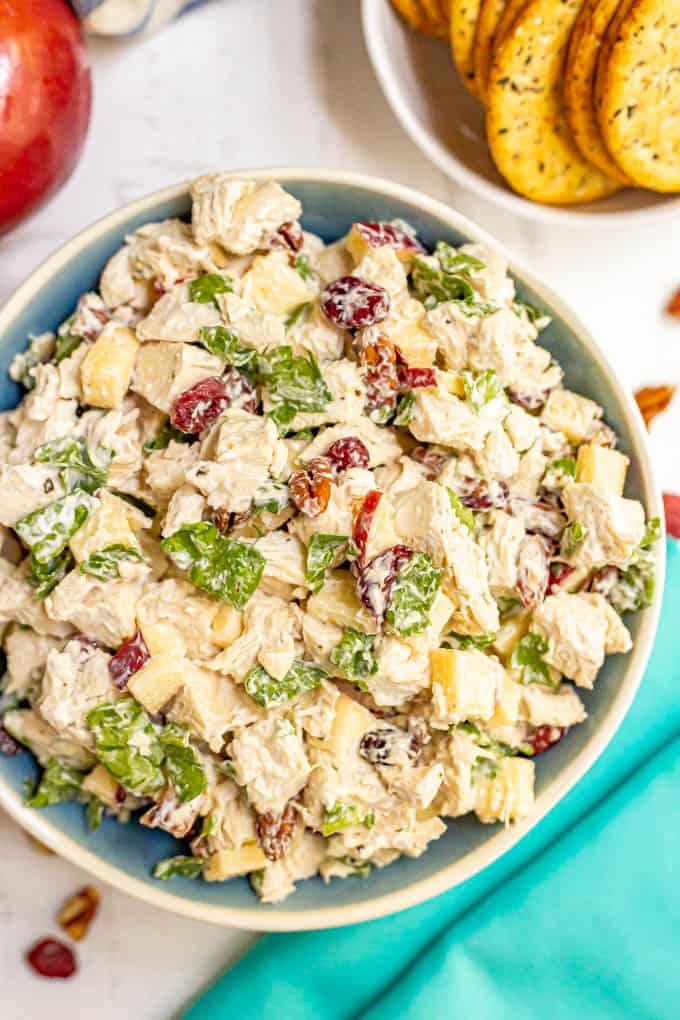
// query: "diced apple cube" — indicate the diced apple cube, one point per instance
point(166, 369)
point(570, 413)
point(507, 708)
point(106, 369)
point(337, 602)
point(156, 683)
point(162, 638)
point(510, 633)
point(109, 524)
point(101, 784)
point(407, 332)
point(226, 626)
point(273, 285)
point(350, 722)
point(603, 468)
point(509, 795)
point(226, 864)
point(470, 681)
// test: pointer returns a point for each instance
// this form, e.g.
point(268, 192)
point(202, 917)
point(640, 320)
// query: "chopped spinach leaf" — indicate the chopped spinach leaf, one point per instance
point(188, 867)
point(412, 595)
point(205, 289)
point(321, 552)
point(127, 744)
point(267, 691)
point(354, 656)
point(228, 569)
point(105, 563)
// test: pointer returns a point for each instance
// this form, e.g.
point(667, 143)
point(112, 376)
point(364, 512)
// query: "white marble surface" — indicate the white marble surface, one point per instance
point(251, 83)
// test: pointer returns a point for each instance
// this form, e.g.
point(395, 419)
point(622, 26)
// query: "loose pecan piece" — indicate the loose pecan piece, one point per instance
point(78, 913)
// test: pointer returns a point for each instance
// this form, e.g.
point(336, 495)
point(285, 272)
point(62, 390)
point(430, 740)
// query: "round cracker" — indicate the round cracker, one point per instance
point(579, 84)
point(440, 25)
point(414, 14)
point(528, 136)
point(639, 113)
point(464, 15)
point(511, 12)
point(489, 17)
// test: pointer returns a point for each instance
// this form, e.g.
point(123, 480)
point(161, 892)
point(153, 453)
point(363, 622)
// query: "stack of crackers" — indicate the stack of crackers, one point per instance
point(582, 97)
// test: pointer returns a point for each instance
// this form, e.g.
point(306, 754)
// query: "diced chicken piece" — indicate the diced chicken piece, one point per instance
point(459, 755)
point(440, 417)
point(303, 860)
point(25, 488)
point(254, 328)
point(166, 470)
point(522, 428)
point(509, 795)
point(337, 602)
point(165, 370)
point(492, 281)
point(178, 605)
point(544, 707)
point(271, 636)
point(166, 253)
point(26, 654)
point(570, 413)
point(614, 525)
point(403, 671)
point(18, 604)
point(527, 481)
point(382, 445)
point(498, 458)
point(348, 397)
point(239, 215)
point(118, 284)
point(30, 729)
point(76, 680)
point(273, 285)
point(103, 610)
point(212, 706)
point(176, 319)
point(400, 476)
point(40, 349)
point(319, 638)
point(314, 332)
point(285, 559)
point(346, 497)
point(270, 761)
point(186, 507)
point(466, 684)
point(247, 453)
point(508, 705)
point(315, 710)
point(383, 267)
point(501, 543)
point(232, 820)
point(120, 432)
point(580, 630)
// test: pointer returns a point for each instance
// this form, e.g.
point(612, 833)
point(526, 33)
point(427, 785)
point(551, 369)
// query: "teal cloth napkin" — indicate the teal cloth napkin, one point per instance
point(578, 920)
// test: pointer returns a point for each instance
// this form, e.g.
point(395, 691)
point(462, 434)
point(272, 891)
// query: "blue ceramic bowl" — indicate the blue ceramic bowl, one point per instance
point(124, 855)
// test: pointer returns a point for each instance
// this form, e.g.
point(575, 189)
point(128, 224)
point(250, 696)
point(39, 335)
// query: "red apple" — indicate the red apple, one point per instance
point(45, 100)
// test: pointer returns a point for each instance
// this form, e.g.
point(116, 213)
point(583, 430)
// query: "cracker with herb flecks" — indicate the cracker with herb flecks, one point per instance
point(528, 135)
point(639, 90)
point(579, 83)
point(439, 23)
point(490, 14)
point(415, 15)
point(464, 14)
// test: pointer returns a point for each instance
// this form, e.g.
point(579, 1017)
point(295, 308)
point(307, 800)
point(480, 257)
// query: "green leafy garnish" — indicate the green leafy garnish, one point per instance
point(221, 342)
point(413, 593)
point(481, 387)
point(301, 263)
point(294, 383)
point(353, 655)
point(205, 289)
point(57, 783)
point(127, 744)
point(528, 659)
point(453, 260)
point(433, 285)
point(299, 312)
point(228, 569)
point(44, 577)
point(463, 513)
point(559, 472)
point(479, 641)
point(533, 313)
point(652, 532)
point(573, 537)
point(47, 531)
point(182, 764)
point(162, 439)
point(406, 408)
point(139, 504)
point(267, 691)
point(79, 470)
point(340, 816)
point(189, 867)
point(105, 563)
point(636, 584)
point(320, 555)
point(65, 345)
point(361, 868)
point(272, 497)
point(94, 813)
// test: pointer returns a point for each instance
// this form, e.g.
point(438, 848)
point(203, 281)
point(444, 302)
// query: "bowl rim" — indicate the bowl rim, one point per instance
point(447, 161)
point(502, 840)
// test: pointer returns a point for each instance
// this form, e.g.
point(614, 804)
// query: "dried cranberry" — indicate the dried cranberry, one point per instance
point(239, 390)
point(363, 519)
point(291, 235)
point(275, 832)
point(480, 493)
point(543, 737)
point(348, 453)
point(529, 401)
point(199, 406)
point(416, 378)
point(671, 506)
point(387, 235)
point(376, 578)
point(559, 572)
point(602, 582)
point(8, 745)
point(352, 303)
point(389, 745)
point(310, 490)
point(129, 659)
point(52, 959)
point(430, 459)
point(379, 359)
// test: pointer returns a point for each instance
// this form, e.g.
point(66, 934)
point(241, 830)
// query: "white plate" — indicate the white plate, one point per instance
point(424, 89)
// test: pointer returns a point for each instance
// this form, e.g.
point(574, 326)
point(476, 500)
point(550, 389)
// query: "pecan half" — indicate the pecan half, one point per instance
point(275, 832)
point(78, 913)
point(310, 490)
point(652, 400)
